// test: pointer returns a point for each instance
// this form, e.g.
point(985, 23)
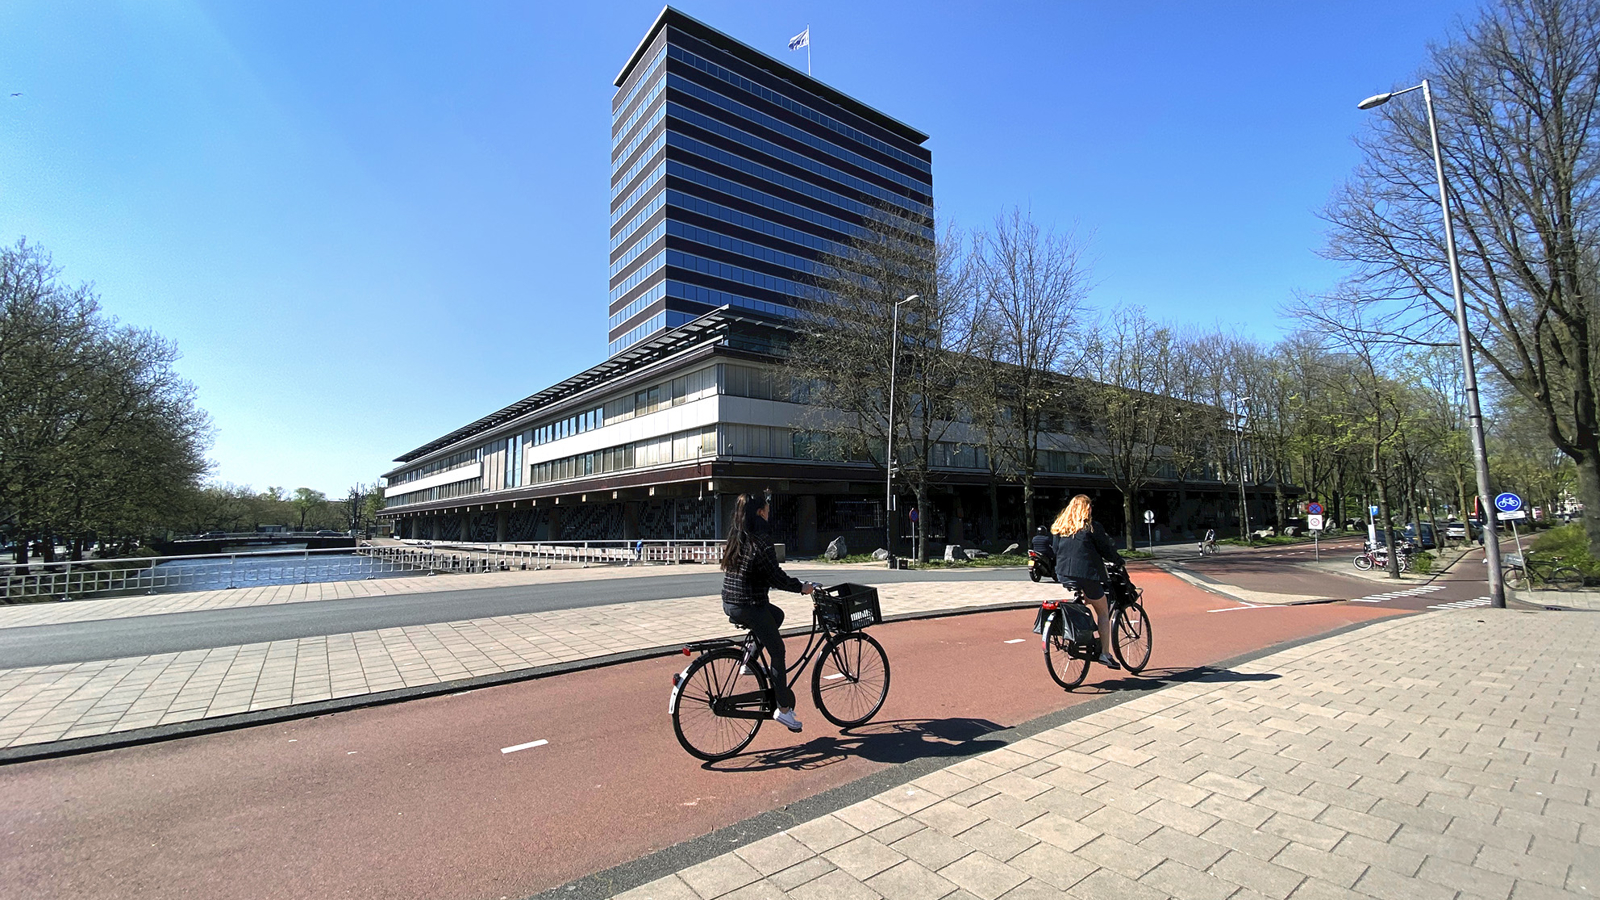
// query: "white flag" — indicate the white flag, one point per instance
point(803, 39)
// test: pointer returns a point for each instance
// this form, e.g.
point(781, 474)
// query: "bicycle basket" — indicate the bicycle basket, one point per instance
point(848, 607)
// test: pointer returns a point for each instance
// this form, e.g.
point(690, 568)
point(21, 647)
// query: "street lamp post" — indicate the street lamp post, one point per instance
point(1480, 455)
point(1238, 437)
point(888, 456)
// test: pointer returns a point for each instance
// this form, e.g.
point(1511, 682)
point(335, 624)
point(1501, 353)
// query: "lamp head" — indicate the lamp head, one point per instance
point(910, 298)
point(1374, 100)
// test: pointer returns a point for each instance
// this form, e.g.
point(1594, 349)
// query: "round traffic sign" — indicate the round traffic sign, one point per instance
point(1149, 517)
point(1313, 508)
point(1508, 502)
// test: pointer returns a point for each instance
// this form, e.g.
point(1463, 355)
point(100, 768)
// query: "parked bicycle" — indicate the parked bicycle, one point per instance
point(1378, 556)
point(1071, 641)
point(1525, 573)
point(720, 700)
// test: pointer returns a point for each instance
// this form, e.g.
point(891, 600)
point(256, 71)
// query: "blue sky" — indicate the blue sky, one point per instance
point(366, 224)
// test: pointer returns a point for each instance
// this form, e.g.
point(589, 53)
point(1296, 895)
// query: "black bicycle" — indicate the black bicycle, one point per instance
point(720, 700)
point(1071, 641)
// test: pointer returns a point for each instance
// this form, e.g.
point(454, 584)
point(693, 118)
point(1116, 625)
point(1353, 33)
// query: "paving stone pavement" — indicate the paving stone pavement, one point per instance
point(1446, 755)
point(41, 704)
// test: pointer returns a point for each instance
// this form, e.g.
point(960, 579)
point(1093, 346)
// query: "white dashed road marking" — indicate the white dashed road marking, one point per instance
point(1016, 640)
point(1463, 604)
point(528, 746)
point(1393, 595)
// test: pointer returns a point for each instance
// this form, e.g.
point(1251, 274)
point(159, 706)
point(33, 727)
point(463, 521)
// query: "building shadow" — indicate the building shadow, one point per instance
point(893, 742)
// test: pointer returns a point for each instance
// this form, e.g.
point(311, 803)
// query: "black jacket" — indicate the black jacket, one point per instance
point(1045, 544)
point(753, 574)
point(1083, 556)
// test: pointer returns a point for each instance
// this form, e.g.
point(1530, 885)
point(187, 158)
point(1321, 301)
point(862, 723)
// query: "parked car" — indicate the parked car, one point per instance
point(1426, 540)
point(1460, 531)
point(326, 532)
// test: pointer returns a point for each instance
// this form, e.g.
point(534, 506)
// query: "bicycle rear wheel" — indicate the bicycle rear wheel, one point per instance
point(1564, 578)
point(1067, 670)
point(851, 679)
point(701, 728)
point(1133, 638)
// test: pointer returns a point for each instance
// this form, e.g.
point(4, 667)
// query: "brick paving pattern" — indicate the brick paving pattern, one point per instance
point(1448, 755)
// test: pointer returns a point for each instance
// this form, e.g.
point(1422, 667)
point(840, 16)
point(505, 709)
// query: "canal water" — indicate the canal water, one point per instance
point(256, 570)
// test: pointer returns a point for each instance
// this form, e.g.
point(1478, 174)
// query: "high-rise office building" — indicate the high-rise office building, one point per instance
point(733, 174)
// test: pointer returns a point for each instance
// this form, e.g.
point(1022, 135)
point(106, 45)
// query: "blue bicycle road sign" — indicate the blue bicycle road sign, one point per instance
point(1508, 502)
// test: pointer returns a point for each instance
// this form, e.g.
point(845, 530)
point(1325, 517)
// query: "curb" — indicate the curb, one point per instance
point(196, 727)
point(641, 871)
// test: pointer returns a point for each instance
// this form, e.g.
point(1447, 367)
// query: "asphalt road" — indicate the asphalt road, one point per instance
point(44, 645)
point(417, 800)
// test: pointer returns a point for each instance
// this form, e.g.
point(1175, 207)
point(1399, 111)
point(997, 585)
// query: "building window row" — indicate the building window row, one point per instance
point(735, 273)
point(668, 319)
point(650, 209)
point(735, 189)
point(743, 248)
point(639, 192)
point(453, 461)
point(637, 305)
point(638, 276)
point(764, 146)
point(644, 243)
point(648, 72)
point(618, 134)
point(712, 297)
point(685, 446)
point(577, 423)
point(832, 150)
point(465, 488)
point(622, 158)
point(513, 473)
point(769, 175)
point(644, 160)
point(755, 223)
point(800, 109)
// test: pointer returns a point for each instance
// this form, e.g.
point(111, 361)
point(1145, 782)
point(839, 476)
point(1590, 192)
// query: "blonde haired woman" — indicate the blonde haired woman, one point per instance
point(1082, 550)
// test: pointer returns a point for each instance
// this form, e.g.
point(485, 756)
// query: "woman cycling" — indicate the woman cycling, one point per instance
point(1082, 550)
point(751, 569)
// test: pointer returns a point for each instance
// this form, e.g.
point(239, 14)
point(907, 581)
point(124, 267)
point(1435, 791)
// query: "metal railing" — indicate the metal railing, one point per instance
point(77, 579)
point(502, 556)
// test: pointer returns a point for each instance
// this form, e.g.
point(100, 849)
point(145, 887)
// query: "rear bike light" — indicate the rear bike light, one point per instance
point(686, 651)
point(676, 678)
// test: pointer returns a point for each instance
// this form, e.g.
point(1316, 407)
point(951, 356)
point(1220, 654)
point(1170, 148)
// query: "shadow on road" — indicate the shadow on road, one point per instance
point(897, 741)
point(1152, 679)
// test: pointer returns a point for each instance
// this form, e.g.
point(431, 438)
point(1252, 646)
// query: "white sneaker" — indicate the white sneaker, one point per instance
point(787, 720)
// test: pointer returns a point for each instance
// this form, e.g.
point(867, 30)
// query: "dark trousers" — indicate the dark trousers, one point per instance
point(763, 622)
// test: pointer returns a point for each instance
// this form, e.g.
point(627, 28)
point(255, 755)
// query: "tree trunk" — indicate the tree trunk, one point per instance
point(922, 523)
point(1589, 495)
point(1127, 517)
point(994, 508)
point(1383, 519)
point(1027, 502)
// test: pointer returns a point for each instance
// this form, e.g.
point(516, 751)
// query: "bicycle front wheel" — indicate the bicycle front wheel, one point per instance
point(851, 679)
point(1132, 638)
point(1065, 669)
point(708, 689)
point(1363, 562)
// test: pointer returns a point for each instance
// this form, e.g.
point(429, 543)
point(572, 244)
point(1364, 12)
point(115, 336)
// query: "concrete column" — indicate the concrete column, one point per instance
point(466, 525)
point(957, 530)
point(555, 523)
point(500, 525)
point(435, 530)
point(630, 519)
point(805, 515)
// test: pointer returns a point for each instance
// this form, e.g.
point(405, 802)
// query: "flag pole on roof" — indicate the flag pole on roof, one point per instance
point(803, 39)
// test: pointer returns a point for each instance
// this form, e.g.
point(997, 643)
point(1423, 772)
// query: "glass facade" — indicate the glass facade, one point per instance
point(734, 174)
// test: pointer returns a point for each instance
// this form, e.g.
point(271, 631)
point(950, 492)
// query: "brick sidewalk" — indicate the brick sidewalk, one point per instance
point(41, 704)
point(1451, 755)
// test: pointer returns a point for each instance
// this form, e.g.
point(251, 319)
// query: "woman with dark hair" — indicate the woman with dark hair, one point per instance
point(1082, 550)
point(750, 570)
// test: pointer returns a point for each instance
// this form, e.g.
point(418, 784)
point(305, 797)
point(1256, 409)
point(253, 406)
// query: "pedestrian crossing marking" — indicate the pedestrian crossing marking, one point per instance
point(1395, 595)
point(1463, 604)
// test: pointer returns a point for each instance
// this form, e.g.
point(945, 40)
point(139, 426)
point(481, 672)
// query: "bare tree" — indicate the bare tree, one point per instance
point(1518, 97)
point(1033, 285)
point(1128, 401)
point(842, 360)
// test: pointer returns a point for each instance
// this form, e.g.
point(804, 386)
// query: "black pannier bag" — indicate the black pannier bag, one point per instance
point(1078, 621)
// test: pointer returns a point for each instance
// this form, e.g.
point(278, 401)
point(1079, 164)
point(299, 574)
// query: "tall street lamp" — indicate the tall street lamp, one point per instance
point(1238, 437)
point(888, 468)
point(1480, 456)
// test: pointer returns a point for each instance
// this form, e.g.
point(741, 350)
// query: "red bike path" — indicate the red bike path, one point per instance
point(418, 799)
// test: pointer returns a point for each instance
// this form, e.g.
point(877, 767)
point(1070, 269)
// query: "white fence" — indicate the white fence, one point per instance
point(456, 556)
